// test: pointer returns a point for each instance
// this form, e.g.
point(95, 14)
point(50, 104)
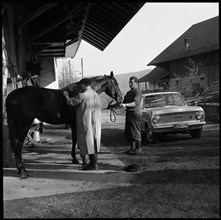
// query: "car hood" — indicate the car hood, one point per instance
point(173, 109)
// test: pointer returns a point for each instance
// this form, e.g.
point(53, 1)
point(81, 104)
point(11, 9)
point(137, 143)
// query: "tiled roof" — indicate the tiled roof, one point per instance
point(203, 38)
point(156, 74)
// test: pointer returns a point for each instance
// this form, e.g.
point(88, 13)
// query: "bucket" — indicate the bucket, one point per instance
point(36, 136)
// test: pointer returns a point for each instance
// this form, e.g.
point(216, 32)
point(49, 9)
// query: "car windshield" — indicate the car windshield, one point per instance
point(162, 100)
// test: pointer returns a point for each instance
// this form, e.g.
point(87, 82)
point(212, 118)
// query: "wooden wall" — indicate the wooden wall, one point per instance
point(198, 72)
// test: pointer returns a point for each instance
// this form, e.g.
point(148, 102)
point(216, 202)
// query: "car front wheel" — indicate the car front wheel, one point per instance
point(196, 133)
point(151, 137)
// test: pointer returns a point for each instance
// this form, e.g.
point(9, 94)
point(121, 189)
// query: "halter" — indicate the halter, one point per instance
point(113, 114)
point(112, 81)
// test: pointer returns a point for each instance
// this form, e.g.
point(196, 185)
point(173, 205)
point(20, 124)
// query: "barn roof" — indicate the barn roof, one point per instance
point(156, 74)
point(203, 37)
point(53, 26)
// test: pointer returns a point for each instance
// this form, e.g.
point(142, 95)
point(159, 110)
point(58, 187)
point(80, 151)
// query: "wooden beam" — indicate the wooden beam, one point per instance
point(92, 43)
point(61, 50)
point(105, 24)
point(71, 41)
point(50, 27)
point(73, 28)
point(95, 41)
point(99, 30)
point(83, 25)
point(52, 55)
point(95, 36)
point(111, 7)
point(36, 13)
point(122, 8)
point(40, 50)
point(84, 20)
point(103, 11)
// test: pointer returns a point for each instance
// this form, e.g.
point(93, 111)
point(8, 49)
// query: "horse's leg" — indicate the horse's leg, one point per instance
point(41, 127)
point(74, 142)
point(73, 151)
point(23, 174)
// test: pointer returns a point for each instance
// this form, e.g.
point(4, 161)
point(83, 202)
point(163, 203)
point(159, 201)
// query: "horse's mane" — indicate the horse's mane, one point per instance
point(74, 88)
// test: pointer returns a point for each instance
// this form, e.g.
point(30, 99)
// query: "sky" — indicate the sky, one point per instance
point(146, 35)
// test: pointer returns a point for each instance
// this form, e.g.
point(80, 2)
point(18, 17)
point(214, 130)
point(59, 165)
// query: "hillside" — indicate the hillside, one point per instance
point(123, 79)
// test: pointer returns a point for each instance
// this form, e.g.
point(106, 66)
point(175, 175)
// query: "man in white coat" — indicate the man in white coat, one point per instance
point(88, 118)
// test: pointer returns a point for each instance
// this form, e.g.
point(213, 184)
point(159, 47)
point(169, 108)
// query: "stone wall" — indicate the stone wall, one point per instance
point(211, 112)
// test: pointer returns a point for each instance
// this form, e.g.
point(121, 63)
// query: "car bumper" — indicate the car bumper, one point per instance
point(177, 127)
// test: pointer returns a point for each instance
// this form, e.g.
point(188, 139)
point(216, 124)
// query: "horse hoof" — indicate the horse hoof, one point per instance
point(85, 162)
point(75, 161)
point(23, 174)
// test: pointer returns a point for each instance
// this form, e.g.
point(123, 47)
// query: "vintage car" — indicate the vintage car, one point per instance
point(167, 112)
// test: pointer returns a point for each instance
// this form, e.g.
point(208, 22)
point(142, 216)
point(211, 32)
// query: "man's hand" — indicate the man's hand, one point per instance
point(123, 105)
point(65, 94)
point(112, 106)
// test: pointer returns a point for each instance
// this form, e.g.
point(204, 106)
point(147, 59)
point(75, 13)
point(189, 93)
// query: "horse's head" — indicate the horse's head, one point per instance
point(112, 89)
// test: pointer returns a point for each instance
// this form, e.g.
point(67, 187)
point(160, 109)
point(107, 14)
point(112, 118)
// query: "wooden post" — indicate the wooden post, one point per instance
point(7, 45)
point(82, 70)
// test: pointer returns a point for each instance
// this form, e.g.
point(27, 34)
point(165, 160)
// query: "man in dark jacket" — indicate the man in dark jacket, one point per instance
point(131, 102)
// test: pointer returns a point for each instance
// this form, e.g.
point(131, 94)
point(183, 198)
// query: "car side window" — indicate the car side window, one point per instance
point(148, 102)
point(178, 100)
point(169, 100)
point(154, 101)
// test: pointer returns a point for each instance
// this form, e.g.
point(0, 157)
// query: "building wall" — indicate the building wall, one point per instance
point(48, 77)
point(194, 74)
point(15, 54)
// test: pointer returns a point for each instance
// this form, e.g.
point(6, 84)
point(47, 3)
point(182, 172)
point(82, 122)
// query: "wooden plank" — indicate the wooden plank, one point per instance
point(96, 36)
point(98, 30)
point(96, 42)
point(80, 33)
point(50, 27)
point(36, 13)
point(72, 41)
point(84, 20)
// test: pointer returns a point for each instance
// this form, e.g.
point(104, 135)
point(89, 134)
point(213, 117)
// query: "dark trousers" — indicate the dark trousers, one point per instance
point(132, 128)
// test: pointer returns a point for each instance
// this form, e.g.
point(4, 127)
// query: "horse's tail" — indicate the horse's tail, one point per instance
point(11, 123)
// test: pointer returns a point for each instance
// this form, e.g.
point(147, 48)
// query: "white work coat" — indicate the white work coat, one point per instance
point(88, 119)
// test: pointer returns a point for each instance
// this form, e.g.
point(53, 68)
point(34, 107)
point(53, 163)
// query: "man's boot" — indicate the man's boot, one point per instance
point(132, 148)
point(137, 148)
point(93, 163)
point(84, 159)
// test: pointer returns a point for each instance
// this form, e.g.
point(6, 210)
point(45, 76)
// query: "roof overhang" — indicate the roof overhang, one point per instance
point(54, 26)
point(156, 74)
point(200, 38)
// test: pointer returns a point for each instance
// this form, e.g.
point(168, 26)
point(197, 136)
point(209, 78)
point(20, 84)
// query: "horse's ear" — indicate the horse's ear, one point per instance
point(111, 74)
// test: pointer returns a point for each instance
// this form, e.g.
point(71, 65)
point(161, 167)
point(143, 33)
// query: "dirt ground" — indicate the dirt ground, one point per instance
point(179, 179)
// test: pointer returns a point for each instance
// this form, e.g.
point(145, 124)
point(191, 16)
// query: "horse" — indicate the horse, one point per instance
point(25, 104)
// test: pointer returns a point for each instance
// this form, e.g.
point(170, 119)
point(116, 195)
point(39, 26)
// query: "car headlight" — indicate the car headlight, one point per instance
point(156, 119)
point(199, 115)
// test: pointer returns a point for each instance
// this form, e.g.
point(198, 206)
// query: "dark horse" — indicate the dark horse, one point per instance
point(23, 105)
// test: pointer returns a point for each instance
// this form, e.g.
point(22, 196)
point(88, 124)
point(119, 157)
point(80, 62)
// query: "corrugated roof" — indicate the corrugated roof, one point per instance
point(156, 74)
point(203, 38)
point(55, 25)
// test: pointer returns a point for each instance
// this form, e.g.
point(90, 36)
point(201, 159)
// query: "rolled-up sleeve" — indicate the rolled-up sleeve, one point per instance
point(74, 101)
point(137, 97)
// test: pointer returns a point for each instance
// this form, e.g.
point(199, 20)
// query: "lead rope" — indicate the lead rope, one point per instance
point(113, 114)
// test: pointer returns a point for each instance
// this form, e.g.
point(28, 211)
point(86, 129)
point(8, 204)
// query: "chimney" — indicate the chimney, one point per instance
point(187, 43)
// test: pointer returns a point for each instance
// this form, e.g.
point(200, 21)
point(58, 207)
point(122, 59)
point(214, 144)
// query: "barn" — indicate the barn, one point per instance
point(35, 32)
point(192, 60)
